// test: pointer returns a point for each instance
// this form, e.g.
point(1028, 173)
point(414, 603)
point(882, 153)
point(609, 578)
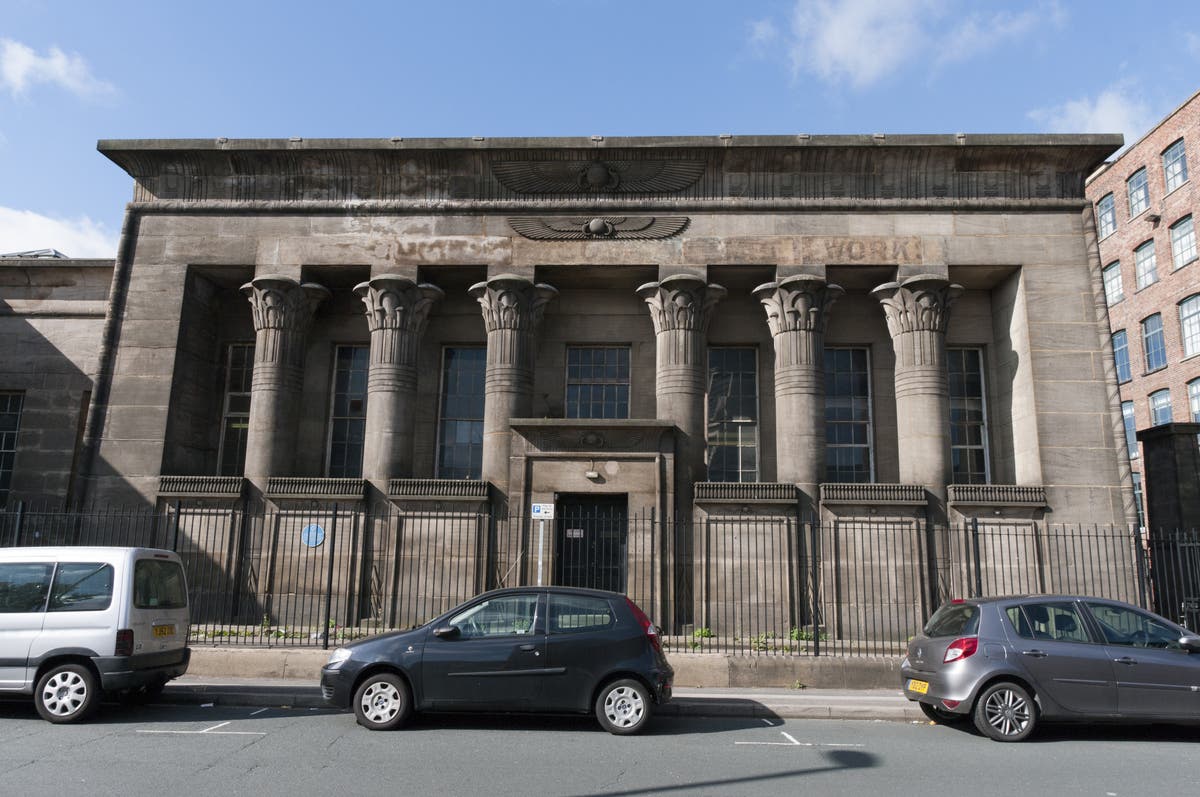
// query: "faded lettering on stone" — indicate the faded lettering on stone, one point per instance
point(862, 249)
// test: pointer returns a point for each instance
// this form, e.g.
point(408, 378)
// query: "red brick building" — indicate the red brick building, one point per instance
point(1147, 211)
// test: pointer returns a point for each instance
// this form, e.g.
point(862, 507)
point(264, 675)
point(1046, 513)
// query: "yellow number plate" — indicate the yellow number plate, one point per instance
point(164, 630)
point(920, 687)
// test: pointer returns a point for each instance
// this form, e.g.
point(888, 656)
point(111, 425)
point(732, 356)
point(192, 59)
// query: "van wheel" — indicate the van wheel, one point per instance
point(623, 707)
point(382, 702)
point(66, 693)
point(1005, 712)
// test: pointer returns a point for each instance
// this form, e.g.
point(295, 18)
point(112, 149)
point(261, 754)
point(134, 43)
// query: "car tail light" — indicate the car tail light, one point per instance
point(124, 642)
point(961, 649)
point(647, 626)
point(951, 703)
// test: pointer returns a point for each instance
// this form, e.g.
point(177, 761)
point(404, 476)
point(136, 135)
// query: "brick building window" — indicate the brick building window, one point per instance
point(1174, 166)
point(1130, 429)
point(1189, 325)
point(968, 416)
point(1139, 192)
point(1137, 500)
point(1183, 242)
point(1106, 214)
point(460, 417)
point(348, 414)
point(1153, 345)
point(597, 382)
point(1194, 399)
point(1145, 265)
point(732, 414)
point(235, 409)
point(1120, 344)
point(1160, 407)
point(848, 455)
point(11, 404)
point(1113, 292)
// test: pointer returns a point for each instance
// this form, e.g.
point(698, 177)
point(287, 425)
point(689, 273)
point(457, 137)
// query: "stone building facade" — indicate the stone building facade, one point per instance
point(1147, 210)
point(842, 328)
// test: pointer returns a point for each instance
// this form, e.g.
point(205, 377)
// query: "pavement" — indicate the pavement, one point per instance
point(767, 703)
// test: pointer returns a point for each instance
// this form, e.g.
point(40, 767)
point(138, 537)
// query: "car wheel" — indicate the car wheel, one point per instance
point(623, 707)
point(1005, 712)
point(940, 715)
point(66, 693)
point(382, 702)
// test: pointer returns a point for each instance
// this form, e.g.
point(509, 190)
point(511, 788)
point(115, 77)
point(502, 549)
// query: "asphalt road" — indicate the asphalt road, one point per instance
point(230, 750)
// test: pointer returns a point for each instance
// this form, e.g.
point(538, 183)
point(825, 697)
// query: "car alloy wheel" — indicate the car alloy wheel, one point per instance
point(66, 693)
point(1005, 712)
point(382, 702)
point(623, 707)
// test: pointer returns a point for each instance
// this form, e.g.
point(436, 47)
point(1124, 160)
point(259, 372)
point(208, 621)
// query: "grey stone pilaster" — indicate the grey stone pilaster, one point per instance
point(681, 307)
point(282, 309)
point(917, 311)
point(512, 312)
point(797, 312)
point(397, 310)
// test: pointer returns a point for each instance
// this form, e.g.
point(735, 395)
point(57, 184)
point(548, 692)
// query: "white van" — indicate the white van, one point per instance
point(76, 621)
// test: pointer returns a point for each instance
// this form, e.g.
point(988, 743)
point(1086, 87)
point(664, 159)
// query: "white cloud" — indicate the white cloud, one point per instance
point(1117, 109)
point(21, 67)
point(763, 34)
point(24, 230)
point(1193, 43)
point(862, 41)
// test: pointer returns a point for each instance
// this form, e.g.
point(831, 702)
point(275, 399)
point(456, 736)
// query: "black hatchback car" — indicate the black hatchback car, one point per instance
point(530, 649)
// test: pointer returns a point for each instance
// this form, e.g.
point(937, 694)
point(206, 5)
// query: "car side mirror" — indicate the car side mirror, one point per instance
point(1190, 643)
point(452, 632)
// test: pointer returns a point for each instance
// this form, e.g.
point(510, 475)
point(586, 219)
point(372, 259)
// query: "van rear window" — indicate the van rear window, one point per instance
point(158, 584)
point(954, 619)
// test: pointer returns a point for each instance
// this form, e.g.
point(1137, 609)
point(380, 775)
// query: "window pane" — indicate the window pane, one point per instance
point(1113, 292)
point(1183, 242)
point(1174, 166)
point(732, 414)
point(1120, 343)
point(1137, 500)
point(1194, 399)
point(1145, 265)
point(81, 587)
point(235, 416)
point(597, 382)
point(1153, 345)
point(847, 416)
point(23, 587)
point(1139, 193)
point(1130, 429)
point(11, 405)
point(968, 427)
point(1106, 212)
point(460, 422)
point(348, 414)
point(1160, 407)
point(1189, 325)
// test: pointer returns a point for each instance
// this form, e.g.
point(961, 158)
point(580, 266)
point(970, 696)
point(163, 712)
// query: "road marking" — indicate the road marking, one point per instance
point(211, 731)
point(769, 723)
point(255, 713)
point(791, 742)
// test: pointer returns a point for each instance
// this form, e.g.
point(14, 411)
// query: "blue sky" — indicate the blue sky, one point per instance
point(75, 72)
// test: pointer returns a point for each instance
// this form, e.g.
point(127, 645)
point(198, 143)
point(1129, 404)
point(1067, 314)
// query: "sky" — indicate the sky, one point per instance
point(72, 73)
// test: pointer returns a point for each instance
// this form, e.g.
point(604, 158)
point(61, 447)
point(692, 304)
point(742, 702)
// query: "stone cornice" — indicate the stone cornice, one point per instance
point(972, 168)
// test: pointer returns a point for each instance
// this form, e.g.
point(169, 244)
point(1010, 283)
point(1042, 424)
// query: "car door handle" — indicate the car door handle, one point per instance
point(1126, 660)
point(527, 647)
point(1036, 654)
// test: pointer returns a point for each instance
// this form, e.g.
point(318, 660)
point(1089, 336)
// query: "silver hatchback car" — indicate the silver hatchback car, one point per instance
point(1007, 663)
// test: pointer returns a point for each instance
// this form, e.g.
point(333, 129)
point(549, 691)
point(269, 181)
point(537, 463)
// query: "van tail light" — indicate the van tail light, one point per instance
point(124, 642)
point(961, 649)
point(647, 626)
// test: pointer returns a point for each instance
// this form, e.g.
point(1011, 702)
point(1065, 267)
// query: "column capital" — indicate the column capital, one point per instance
point(283, 303)
point(918, 304)
point(681, 302)
point(511, 302)
point(395, 302)
point(798, 304)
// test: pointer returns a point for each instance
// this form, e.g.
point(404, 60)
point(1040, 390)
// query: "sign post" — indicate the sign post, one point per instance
point(542, 513)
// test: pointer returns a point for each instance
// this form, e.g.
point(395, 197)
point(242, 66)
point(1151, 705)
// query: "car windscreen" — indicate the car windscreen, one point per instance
point(954, 619)
point(158, 584)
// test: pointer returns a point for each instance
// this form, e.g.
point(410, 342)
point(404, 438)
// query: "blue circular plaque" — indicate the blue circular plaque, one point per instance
point(312, 535)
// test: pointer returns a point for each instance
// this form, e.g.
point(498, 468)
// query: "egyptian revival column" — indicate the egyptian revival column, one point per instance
point(917, 311)
point(797, 313)
point(397, 310)
point(681, 307)
point(512, 311)
point(283, 311)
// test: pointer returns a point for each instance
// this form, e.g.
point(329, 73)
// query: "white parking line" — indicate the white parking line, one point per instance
point(210, 731)
point(255, 713)
point(791, 742)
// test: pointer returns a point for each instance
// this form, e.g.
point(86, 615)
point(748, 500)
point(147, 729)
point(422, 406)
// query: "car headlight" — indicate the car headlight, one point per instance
point(338, 658)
